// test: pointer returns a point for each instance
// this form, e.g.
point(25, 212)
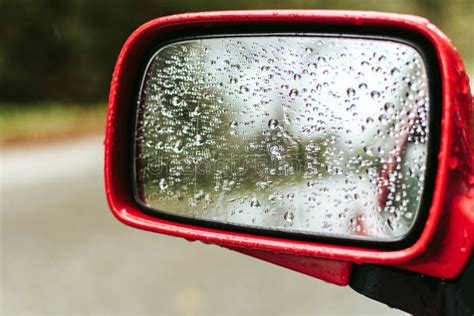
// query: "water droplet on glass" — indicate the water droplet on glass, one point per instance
point(273, 123)
point(351, 92)
point(325, 160)
point(199, 140)
point(254, 202)
point(313, 66)
point(375, 94)
point(244, 89)
point(289, 217)
point(176, 101)
point(178, 146)
point(389, 107)
point(163, 184)
point(294, 93)
point(368, 151)
point(363, 85)
point(196, 112)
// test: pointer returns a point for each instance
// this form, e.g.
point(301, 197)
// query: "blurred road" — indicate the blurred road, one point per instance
point(63, 252)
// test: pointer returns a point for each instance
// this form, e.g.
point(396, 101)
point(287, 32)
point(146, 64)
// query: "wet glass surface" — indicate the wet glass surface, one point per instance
point(324, 136)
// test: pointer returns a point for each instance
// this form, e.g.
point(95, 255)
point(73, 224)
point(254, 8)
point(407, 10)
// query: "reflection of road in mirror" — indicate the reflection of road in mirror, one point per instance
point(226, 125)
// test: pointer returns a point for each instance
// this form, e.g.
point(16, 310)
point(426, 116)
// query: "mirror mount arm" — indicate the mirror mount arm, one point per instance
point(332, 271)
point(415, 293)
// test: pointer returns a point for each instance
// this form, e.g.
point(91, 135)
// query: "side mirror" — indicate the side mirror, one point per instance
point(326, 142)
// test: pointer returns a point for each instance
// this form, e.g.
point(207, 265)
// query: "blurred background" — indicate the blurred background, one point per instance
point(57, 56)
point(61, 251)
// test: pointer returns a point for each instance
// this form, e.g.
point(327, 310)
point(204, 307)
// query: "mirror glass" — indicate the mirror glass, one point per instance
point(316, 135)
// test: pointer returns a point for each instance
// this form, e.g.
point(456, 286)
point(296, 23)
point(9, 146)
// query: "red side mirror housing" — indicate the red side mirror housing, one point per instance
point(444, 244)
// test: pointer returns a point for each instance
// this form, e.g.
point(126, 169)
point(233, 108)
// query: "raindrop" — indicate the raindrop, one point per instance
point(273, 123)
point(350, 92)
point(294, 93)
point(368, 151)
point(375, 94)
point(382, 118)
point(254, 202)
point(196, 112)
point(289, 217)
point(176, 101)
point(388, 107)
point(199, 140)
point(313, 66)
point(178, 146)
point(363, 85)
point(244, 89)
point(163, 184)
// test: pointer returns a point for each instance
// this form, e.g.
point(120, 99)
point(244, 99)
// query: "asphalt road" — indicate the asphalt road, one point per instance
point(63, 252)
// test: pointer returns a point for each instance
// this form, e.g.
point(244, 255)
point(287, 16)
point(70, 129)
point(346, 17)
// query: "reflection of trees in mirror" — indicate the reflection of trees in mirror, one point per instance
point(184, 107)
point(295, 133)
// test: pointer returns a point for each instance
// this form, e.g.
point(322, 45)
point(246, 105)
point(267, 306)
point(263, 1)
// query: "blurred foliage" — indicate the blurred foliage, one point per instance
point(52, 50)
point(47, 122)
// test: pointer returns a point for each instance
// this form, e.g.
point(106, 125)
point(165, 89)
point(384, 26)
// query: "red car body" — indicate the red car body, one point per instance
point(445, 244)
